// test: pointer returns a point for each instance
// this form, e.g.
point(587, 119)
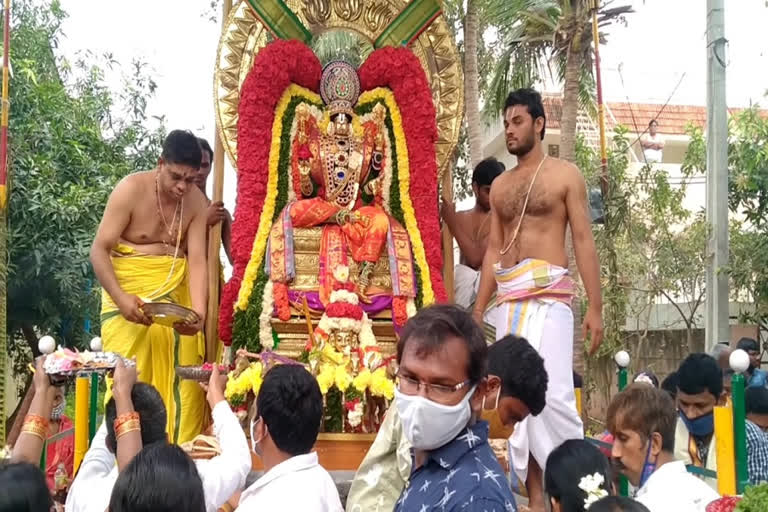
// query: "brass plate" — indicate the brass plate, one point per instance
point(168, 314)
point(244, 35)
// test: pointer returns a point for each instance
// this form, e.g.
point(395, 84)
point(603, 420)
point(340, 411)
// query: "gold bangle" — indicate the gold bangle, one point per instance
point(130, 425)
point(35, 425)
point(127, 431)
point(226, 507)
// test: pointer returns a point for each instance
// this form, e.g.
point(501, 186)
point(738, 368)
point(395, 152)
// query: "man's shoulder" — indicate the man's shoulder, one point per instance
point(133, 184)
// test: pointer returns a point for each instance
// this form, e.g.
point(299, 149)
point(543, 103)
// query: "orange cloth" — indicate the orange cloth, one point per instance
point(60, 452)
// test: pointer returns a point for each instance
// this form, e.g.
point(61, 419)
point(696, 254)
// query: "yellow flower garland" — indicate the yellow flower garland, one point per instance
point(267, 212)
point(403, 171)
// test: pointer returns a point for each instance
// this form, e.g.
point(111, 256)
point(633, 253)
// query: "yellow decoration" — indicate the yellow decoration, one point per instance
point(725, 450)
point(248, 381)
point(82, 388)
point(342, 379)
point(382, 385)
point(268, 211)
point(362, 381)
point(325, 378)
point(404, 176)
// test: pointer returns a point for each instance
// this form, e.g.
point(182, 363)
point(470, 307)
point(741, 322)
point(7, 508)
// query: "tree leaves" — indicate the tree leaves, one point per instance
point(69, 145)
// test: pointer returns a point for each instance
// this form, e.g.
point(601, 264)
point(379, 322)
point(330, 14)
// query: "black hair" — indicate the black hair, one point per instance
point(669, 384)
point(653, 121)
point(756, 399)
point(521, 370)
point(699, 373)
point(487, 171)
point(618, 504)
point(291, 405)
point(645, 410)
point(153, 415)
point(182, 147)
point(205, 147)
point(160, 478)
point(650, 375)
point(531, 99)
point(433, 325)
point(748, 344)
point(566, 465)
point(23, 488)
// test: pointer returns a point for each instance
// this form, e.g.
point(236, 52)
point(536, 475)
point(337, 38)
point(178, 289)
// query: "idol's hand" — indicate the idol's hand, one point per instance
point(130, 308)
point(356, 218)
point(593, 325)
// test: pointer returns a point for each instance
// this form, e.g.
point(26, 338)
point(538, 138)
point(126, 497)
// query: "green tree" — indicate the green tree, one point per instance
point(71, 140)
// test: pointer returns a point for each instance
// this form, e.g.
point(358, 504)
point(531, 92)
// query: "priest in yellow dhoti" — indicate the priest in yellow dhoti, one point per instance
point(150, 247)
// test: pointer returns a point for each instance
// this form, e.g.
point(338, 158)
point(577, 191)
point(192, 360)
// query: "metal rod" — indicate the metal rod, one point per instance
point(739, 432)
point(93, 406)
point(623, 482)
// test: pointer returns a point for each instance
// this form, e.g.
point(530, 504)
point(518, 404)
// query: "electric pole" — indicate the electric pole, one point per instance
point(717, 326)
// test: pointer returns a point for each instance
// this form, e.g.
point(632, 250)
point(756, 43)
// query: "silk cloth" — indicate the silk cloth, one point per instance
point(158, 349)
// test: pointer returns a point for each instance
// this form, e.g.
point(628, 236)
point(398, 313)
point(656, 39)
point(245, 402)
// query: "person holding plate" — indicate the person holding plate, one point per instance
point(150, 248)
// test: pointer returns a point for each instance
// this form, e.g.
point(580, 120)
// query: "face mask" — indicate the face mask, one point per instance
point(648, 466)
point(428, 425)
point(254, 442)
point(58, 411)
point(701, 426)
point(497, 428)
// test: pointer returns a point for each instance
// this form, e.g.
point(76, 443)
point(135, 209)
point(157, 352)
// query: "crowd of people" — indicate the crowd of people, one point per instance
point(496, 366)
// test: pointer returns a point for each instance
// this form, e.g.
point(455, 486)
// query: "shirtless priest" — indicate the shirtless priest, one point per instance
point(150, 246)
point(527, 264)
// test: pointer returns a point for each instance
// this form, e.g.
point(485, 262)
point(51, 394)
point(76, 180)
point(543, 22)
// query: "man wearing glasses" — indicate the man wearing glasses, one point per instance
point(441, 383)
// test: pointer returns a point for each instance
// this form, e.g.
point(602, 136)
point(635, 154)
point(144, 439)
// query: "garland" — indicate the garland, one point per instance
point(399, 70)
point(276, 67)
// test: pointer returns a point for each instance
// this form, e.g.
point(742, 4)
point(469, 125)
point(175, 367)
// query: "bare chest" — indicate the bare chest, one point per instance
point(542, 198)
point(152, 223)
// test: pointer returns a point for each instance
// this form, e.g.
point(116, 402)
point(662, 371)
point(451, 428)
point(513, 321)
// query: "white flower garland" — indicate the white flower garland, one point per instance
point(265, 318)
point(345, 296)
point(355, 416)
point(592, 486)
point(410, 307)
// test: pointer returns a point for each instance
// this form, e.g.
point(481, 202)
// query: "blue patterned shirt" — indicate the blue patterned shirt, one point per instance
point(757, 454)
point(462, 476)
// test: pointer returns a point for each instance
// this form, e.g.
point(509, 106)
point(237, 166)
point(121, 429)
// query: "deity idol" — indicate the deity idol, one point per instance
point(336, 166)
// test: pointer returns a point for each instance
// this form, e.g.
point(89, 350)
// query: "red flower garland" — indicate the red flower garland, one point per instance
point(344, 310)
point(282, 303)
point(400, 70)
point(276, 66)
point(399, 311)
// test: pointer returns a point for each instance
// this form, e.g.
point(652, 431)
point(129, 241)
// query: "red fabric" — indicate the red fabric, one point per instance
point(60, 452)
point(400, 70)
point(276, 66)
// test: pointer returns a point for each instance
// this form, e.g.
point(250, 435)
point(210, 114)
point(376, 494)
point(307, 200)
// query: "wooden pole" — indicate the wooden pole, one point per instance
point(600, 107)
point(214, 235)
point(447, 186)
point(4, 366)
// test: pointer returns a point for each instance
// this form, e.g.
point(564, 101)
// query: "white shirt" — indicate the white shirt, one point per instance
point(671, 487)
point(654, 155)
point(222, 475)
point(297, 484)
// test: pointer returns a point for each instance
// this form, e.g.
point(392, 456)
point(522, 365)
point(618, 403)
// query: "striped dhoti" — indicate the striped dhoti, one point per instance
point(533, 302)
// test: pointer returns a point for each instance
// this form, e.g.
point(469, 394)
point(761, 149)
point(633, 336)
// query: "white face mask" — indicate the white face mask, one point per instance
point(428, 425)
point(254, 442)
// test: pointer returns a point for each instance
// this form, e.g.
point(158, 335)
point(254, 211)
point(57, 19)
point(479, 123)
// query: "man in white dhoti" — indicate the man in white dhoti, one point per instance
point(470, 228)
point(526, 264)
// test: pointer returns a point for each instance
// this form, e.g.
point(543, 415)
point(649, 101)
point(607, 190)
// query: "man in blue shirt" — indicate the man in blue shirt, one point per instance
point(441, 383)
point(755, 376)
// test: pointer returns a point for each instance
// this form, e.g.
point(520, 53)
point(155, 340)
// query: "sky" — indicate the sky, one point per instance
point(663, 44)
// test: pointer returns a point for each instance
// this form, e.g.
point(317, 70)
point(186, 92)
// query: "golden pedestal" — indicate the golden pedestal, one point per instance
point(293, 334)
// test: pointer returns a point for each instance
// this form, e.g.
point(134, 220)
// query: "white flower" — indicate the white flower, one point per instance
point(592, 487)
point(341, 273)
point(265, 319)
point(355, 416)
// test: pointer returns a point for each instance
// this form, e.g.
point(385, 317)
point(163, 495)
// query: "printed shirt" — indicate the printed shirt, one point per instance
point(757, 454)
point(463, 475)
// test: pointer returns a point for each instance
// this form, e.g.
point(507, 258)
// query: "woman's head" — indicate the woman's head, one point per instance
point(23, 489)
point(577, 474)
point(161, 478)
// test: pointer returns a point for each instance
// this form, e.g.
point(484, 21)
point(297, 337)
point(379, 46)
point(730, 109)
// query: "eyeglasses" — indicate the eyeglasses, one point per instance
point(411, 386)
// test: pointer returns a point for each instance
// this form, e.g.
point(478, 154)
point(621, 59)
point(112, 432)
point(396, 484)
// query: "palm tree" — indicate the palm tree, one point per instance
point(550, 38)
point(471, 83)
